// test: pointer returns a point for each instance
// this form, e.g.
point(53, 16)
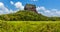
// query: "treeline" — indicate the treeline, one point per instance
point(27, 16)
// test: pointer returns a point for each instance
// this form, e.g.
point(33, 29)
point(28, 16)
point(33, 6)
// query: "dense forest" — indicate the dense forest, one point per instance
point(26, 15)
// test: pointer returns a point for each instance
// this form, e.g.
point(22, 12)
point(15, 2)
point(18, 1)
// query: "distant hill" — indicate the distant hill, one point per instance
point(23, 16)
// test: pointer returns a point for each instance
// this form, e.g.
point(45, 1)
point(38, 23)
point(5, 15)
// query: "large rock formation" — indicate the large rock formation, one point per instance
point(30, 7)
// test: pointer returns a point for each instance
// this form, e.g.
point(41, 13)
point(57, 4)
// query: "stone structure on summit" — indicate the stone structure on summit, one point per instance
point(30, 7)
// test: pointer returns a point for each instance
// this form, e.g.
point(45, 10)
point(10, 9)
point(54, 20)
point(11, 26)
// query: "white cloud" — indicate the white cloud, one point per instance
point(47, 11)
point(40, 8)
point(4, 10)
point(12, 2)
point(51, 12)
point(1, 5)
point(34, 0)
point(19, 5)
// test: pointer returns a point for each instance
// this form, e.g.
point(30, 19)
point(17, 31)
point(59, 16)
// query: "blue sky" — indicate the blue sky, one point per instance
point(45, 7)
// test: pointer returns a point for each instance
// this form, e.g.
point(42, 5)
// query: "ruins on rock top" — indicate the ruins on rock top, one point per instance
point(30, 7)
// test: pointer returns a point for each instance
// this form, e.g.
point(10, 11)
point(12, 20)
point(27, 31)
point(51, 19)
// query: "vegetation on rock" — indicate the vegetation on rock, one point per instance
point(23, 16)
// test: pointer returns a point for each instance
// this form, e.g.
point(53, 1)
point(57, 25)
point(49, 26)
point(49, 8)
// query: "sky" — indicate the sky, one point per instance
point(45, 7)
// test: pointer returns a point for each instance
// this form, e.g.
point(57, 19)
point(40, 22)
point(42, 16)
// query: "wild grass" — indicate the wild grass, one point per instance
point(29, 26)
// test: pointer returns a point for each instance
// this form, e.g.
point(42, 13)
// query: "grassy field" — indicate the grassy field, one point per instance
point(29, 26)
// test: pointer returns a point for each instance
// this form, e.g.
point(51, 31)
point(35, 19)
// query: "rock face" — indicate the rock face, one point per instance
point(30, 7)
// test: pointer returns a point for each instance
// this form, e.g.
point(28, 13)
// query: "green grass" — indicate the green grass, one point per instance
point(29, 26)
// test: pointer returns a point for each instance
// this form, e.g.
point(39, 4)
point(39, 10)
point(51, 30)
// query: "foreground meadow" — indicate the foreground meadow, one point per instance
point(29, 26)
